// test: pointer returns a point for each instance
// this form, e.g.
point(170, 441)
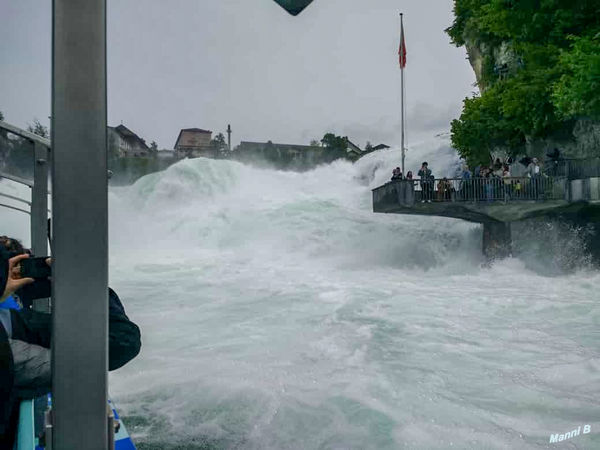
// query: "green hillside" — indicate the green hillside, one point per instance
point(538, 69)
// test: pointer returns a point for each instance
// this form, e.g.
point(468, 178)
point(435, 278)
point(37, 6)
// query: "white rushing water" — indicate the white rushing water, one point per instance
point(279, 312)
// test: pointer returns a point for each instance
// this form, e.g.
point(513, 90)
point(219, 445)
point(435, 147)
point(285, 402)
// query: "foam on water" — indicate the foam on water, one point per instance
point(278, 311)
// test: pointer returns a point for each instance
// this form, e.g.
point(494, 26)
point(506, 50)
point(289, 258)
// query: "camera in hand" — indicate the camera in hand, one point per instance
point(35, 268)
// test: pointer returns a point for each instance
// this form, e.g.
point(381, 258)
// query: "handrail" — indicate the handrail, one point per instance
point(39, 186)
point(16, 179)
point(492, 189)
point(418, 181)
point(38, 213)
point(15, 208)
point(12, 197)
point(575, 168)
point(25, 134)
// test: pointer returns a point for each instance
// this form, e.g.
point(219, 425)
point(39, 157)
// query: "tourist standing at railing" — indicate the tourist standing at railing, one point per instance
point(534, 172)
point(533, 169)
point(555, 162)
point(409, 175)
point(465, 183)
point(480, 181)
point(465, 173)
point(396, 174)
point(489, 183)
point(518, 189)
point(426, 182)
point(507, 182)
point(441, 190)
point(498, 168)
point(497, 165)
point(445, 189)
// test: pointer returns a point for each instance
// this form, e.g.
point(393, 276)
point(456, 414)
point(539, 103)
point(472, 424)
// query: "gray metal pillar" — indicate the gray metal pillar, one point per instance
point(39, 210)
point(80, 225)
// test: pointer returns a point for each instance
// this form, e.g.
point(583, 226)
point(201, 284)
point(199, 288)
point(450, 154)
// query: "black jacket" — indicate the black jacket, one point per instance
point(35, 327)
point(425, 175)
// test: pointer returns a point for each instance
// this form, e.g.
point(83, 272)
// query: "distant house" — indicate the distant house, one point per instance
point(352, 150)
point(166, 154)
point(284, 156)
point(292, 156)
point(293, 150)
point(381, 147)
point(193, 142)
point(125, 142)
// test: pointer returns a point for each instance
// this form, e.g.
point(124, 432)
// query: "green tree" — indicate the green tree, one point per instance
point(315, 143)
point(576, 92)
point(38, 128)
point(333, 142)
point(1, 116)
point(553, 74)
point(153, 147)
point(219, 145)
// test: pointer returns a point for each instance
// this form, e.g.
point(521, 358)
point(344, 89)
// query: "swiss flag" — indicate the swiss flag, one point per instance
point(402, 49)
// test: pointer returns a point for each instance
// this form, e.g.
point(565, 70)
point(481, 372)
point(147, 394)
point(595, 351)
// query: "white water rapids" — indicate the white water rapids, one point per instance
point(279, 312)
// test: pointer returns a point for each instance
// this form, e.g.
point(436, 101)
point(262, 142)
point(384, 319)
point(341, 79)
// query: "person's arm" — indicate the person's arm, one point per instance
point(33, 327)
point(124, 337)
point(10, 274)
point(41, 288)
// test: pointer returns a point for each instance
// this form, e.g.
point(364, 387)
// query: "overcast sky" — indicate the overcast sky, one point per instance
point(207, 63)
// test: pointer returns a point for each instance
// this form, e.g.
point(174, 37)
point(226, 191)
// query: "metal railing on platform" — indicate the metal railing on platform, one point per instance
point(574, 169)
point(494, 189)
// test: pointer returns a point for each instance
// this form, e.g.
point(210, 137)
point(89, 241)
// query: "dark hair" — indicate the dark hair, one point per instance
point(4, 257)
point(425, 163)
point(12, 246)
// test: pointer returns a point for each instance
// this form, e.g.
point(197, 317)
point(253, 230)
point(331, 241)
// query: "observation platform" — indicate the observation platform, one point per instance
point(493, 202)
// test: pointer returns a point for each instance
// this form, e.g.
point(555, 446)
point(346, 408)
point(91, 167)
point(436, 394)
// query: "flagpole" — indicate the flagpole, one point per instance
point(402, 64)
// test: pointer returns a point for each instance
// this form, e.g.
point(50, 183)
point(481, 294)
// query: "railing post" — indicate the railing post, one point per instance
point(39, 209)
point(39, 201)
point(79, 226)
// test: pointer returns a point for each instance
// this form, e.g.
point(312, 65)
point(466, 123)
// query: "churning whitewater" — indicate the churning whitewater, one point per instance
point(279, 312)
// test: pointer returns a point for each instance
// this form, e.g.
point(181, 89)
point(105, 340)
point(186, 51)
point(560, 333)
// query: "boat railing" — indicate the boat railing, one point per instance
point(37, 209)
point(37, 206)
